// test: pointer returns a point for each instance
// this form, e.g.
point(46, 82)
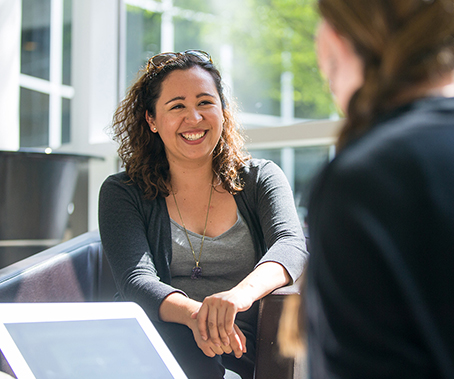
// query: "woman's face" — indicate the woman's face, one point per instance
point(339, 63)
point(189, 116)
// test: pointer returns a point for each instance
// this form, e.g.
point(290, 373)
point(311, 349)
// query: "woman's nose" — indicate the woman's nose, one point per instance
point(193, 116)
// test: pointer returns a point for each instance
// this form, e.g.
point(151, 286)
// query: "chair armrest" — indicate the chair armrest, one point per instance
point(270, 364)
point(293, 289)
point(66, 272)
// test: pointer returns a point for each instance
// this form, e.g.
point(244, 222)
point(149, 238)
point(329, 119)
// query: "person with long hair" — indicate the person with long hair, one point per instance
point(196, 231)
point(380, 288)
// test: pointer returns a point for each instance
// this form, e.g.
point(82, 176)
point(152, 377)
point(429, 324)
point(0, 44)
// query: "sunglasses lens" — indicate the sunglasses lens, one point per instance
point(159, 59)
point(202, 55)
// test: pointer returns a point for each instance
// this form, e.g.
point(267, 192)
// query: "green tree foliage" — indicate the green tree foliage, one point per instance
point(264, 33)
point(268, 37)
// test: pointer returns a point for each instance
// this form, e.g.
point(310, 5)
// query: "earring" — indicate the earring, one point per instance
point(155, 129)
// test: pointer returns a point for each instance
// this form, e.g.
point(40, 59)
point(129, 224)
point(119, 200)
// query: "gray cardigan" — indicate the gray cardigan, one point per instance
point(136, 233)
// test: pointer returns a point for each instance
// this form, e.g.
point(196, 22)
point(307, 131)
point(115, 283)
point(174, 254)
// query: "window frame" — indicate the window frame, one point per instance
point(54, 87)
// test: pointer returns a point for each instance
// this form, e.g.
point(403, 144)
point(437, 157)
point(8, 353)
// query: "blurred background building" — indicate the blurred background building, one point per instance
point(65, 65)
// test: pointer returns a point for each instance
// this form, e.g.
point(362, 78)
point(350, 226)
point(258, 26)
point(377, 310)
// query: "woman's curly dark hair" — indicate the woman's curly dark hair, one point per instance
point(143, 153)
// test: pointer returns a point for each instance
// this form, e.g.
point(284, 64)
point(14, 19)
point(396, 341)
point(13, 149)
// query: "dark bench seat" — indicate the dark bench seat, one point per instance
point(77, 270)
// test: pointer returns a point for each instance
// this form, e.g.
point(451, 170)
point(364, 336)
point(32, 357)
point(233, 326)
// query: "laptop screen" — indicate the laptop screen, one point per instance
point(61, 350)
point(89, 347)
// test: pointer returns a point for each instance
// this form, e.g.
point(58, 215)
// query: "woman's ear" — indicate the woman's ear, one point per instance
point(339, 63)
point(151, 122)
point(330, 49)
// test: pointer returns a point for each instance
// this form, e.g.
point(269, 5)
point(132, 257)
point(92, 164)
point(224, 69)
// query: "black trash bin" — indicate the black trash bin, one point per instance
point(36, 190)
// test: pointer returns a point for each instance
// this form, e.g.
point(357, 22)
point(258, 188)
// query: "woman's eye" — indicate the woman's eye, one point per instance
point(177, 106)
point(206, 102)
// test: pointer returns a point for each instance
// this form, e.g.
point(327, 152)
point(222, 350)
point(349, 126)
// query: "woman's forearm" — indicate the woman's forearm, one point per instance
point(178, 308)
point(264, 279)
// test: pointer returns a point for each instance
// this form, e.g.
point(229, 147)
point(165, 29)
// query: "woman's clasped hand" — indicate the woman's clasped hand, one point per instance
point(216, 321)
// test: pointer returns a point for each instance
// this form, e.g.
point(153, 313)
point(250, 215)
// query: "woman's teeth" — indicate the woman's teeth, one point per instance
point(193, 136)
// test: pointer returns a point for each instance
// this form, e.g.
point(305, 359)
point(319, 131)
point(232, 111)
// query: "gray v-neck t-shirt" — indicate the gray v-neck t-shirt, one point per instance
point(226, 259)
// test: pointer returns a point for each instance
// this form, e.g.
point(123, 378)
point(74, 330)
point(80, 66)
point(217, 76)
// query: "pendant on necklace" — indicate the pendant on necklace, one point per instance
point(196, 272)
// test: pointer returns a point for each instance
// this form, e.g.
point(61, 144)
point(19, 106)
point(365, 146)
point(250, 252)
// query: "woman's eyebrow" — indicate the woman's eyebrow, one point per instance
point(176, 98)
point(184, 98)
point(205, 94)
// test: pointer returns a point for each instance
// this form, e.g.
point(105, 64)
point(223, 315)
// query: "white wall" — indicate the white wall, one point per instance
point(95, 81)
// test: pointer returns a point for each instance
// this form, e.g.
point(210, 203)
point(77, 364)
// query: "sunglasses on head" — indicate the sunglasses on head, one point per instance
point(157, 62)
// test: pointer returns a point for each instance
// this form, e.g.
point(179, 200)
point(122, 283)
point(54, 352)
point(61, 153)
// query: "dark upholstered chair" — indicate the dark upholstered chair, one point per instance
point(77, 270)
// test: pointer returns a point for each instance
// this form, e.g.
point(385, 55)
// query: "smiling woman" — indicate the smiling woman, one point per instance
point(139, 148)
point(196, 261)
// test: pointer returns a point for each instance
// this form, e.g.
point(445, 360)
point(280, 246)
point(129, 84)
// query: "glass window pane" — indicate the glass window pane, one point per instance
point(143, 39)
point(189, 35)
point(66, 121)
point(206, 6)
point(35, 45)
point(270, 154)
point(34, 118)
point(308, 161)
point(67, 36)
point(262, 34)
point(257, 88)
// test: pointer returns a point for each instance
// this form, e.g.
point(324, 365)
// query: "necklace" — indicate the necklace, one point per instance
point(197, 269)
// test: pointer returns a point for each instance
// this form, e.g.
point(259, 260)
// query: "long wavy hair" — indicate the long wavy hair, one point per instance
point(403, 44)
point(143, 153)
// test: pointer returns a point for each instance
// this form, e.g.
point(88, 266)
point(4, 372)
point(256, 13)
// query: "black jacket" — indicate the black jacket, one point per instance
point(380, 295)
